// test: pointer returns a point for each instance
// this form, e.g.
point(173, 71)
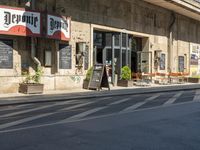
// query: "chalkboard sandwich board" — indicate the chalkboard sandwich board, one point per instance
point(99, 78)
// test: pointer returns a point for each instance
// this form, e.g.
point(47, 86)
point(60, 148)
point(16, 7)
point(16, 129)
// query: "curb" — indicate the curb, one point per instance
point(47, 98)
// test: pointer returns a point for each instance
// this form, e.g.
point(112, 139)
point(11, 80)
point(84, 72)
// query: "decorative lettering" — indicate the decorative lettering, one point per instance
point(10, 18)
point(58, 25)
point(16, 21)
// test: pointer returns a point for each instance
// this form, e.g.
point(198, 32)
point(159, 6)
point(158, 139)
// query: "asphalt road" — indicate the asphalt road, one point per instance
point(157, 121)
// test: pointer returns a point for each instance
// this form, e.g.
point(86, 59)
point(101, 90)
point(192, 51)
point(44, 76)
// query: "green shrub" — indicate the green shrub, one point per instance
point(126, 73)
point(33, 78)
point(89, 73)
point(38, 74)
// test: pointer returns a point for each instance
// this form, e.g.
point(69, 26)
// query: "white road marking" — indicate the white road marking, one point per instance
point(86, 113)
point(173, 99)
point(13, 107)
point(135, 106)
point(84, 104)
point(197, 96)
point(14, 123)
point(76, 106)
point(83, 114)
point(10, 124)
point(121, 101)
point(34, 109)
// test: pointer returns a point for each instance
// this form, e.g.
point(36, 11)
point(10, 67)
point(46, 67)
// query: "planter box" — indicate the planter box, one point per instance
point(31, 88)
point(193, 80)
point(125, 83)
point(85, 84)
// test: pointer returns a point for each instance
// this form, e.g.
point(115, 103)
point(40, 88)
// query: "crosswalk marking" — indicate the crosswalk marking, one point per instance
point(173, 99)
point(34, 109)
point(76, 106)
point(84, 104)
point(83, 114)
point(13, 107)
point(197, 96)
point(14, 123)
point(6, 125)
point(135, 106)
point(121, 101)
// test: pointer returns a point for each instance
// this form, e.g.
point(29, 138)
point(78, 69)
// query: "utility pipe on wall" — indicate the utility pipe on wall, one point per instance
point(33, 50)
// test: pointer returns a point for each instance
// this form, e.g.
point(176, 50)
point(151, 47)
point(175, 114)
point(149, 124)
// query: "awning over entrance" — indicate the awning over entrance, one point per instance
point(189, 8)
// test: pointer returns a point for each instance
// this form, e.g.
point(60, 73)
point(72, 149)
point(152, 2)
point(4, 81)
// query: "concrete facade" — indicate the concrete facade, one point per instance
point(152, 23)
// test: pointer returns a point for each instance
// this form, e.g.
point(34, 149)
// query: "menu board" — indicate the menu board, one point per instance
point(99, 78)
point(6, 54)
point(65, 56)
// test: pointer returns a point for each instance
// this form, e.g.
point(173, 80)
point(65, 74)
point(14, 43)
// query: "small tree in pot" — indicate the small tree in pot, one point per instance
point(125, 80)
point(31, 83)
point(87, 78)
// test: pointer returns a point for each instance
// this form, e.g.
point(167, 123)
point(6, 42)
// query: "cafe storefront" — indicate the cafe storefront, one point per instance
point(119, 49)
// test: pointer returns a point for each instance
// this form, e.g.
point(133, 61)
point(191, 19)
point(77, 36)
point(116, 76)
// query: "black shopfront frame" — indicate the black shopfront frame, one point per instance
point(116, 51)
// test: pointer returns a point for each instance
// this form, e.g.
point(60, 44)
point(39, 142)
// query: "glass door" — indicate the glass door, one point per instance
point(108, 61)
point(144, 62)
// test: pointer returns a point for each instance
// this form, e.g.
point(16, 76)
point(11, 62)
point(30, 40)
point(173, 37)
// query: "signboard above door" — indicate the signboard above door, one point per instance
point(18, 21)
point(58, 27)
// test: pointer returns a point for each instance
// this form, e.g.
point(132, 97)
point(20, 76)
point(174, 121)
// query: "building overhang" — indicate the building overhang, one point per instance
point(189, 8)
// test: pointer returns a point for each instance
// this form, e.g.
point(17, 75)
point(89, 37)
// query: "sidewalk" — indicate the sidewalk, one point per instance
point(63, 95)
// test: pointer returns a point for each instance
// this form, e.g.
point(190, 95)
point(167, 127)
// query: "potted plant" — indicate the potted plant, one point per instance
point(31, 83)
point(125, 80)
point(87, 78)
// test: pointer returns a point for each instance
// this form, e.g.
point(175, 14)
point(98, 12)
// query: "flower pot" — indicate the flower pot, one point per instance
point(31, 88)
point(193, 80)
point(125, 83)
point(85, 84)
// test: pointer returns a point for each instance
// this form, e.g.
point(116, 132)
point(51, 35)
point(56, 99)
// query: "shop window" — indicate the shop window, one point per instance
point(124, 58)
point(6, 54)
point(108, 39)
point(157, 54)
point(123, 40)
point(48, 58)
point(117, 40)
point(98, 39)
point(80, 51)
point(162, 61)
point(181, 63)
point(65, 55)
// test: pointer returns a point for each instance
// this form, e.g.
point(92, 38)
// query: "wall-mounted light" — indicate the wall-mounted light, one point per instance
point(80, 47)
point(28, 3)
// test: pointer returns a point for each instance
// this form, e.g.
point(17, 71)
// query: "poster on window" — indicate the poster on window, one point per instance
point(181, 63)
point(162, 61)
point(18, 21)
point(194, 60)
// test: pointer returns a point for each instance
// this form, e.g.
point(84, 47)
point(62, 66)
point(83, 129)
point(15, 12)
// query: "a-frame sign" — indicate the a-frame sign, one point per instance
point(99, 78)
